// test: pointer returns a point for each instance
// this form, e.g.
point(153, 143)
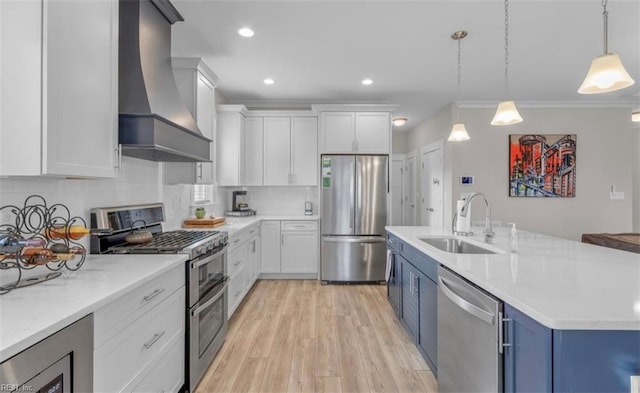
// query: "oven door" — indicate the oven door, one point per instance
point(204, 273)
point(207, 331)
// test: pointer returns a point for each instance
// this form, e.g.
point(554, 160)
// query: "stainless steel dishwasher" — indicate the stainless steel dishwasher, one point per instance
point(470, 357)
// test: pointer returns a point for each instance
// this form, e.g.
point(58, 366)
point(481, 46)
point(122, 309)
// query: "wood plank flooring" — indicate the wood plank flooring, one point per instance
point(301, 336)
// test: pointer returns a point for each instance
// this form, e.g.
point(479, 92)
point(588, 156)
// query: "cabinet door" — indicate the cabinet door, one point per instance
point(409, 297)
point(277, 151)
point(299, 252)
point(230, 146)
point(80, 100)
point(270, 250)
point(253, 151)
point(527, 359)
point(206, 120)
point(338, 132)
point(428, 329)
point(304, 151)
point(373, 132)
point(253, 261)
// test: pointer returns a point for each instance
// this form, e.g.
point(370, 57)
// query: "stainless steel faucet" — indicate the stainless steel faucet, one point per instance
point(488, 228)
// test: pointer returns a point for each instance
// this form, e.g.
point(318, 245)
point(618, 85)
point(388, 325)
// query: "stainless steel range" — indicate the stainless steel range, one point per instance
point(206, 272)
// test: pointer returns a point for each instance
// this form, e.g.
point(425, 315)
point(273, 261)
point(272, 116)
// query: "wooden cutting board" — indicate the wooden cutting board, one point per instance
point(203, 222)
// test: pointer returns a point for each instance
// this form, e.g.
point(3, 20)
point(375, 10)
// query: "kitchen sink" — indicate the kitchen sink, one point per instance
point(455, 245)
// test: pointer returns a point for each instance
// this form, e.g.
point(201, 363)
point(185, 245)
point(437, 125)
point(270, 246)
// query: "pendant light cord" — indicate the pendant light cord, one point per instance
point(506, 48)
point(605, 19)
point(459, 79)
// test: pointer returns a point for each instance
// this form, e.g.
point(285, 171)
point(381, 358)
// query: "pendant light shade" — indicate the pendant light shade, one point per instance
point(506, 114)
point(458, 133)
point(635, 116)
point(606, 74)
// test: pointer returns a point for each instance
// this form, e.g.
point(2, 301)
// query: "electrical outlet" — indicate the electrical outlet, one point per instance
point(616, 194)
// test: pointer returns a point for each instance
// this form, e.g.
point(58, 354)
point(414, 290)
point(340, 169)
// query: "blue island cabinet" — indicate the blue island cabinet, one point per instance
point(539, 359)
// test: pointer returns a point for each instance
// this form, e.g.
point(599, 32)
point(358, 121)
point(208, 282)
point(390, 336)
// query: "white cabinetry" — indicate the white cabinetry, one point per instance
point(139, 338)
point(196, 83)
point(231, 145)
point(59, 95)
point(289, 249)
point(348, 129)
point(290, 151)
point(242, 262)
point(253, 151)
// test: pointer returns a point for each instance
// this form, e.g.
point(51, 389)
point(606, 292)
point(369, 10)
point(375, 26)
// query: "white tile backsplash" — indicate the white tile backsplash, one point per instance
point(278, 200)
point(139, 182)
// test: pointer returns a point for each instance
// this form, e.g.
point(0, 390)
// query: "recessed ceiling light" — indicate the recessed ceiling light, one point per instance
point(246, 32)
point(367, 82)
point(269, 81)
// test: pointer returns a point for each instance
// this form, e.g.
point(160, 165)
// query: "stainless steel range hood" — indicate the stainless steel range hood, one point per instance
point(154, 123)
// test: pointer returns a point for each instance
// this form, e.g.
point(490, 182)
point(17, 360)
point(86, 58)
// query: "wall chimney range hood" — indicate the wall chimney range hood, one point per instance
point(154, 123)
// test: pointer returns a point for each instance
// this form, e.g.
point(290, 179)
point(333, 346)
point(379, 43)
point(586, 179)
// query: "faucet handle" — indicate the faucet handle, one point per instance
point(488, 236)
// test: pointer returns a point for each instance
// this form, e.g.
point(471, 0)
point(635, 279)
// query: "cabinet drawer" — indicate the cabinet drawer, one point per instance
point(299, 225)
point(167, 375)
point(236, 260)
point(237, 239)
point(116, 315)
point(425, 264)
point(237, 289)
point(120, 360)
point(393, 242)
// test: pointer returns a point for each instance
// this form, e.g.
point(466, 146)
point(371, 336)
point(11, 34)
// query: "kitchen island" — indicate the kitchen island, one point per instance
point(574, 307)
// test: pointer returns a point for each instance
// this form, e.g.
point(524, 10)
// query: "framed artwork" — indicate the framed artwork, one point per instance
point(542, 165)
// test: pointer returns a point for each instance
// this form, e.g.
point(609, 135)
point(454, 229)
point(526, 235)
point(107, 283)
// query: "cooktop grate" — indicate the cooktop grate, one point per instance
point(165, 242)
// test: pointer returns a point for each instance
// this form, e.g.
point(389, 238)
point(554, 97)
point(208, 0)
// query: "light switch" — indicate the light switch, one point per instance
point(614, 194)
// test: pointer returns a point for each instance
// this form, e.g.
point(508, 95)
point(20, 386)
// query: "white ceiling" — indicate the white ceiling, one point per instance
point(319, 51)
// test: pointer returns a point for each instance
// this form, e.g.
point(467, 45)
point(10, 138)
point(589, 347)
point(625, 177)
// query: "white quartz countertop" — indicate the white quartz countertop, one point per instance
point(236, 224)
point(562, 284)
point(30, 314)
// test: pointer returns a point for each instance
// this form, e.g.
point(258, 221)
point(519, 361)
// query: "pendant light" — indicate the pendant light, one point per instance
point(507, 113)
point(606, 72)
point(458, 132)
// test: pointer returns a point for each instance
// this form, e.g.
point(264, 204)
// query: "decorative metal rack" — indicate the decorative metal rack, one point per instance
point(50, 227)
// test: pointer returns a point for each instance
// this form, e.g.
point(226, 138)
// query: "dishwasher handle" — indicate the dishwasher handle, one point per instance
point(465, 305)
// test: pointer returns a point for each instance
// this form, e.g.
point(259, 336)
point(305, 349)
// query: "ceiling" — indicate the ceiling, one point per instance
point(319, 51)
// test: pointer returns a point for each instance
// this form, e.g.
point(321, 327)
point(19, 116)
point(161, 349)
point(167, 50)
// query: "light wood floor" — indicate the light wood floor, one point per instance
point(301, 336)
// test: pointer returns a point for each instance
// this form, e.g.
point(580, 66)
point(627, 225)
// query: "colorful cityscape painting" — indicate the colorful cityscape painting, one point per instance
point(542, 165)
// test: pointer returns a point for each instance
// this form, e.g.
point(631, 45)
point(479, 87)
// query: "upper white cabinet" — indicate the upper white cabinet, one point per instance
point(253, 151)
point(271, 148)
point(196, 83)
point(59, 88)
point(349, 129)
point(231, 145)
point(290, 151)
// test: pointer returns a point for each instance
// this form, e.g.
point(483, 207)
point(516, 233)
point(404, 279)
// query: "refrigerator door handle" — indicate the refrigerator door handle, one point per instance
point(352, 196)
point(354, 239)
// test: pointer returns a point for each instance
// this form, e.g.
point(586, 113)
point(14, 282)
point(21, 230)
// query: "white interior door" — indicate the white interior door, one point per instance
point(397, 170)
point(409, 217)
point(432, 187)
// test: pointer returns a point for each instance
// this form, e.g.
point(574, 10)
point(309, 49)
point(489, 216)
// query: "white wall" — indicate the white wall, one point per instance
point(398, 142)
point(636, 177)
point(606, 151)
point(139, 182)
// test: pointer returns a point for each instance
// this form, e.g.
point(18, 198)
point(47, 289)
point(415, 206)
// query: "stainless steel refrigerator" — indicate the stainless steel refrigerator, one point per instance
point(354, 214)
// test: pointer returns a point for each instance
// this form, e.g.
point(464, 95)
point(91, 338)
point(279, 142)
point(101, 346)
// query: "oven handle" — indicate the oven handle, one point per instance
point(209, 302)
point(207, 259)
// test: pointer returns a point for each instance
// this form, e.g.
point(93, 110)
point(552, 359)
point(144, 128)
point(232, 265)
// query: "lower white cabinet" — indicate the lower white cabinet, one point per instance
point(141, 348)
point(242, 264)
point(290, 248)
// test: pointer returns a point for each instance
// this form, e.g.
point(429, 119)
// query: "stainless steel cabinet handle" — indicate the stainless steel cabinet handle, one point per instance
point(200, 170)
point(153, 294)
point(465, 305)
point(410, 282)
point(501, 322)
point(282, 239)
point(236, 263)
point(153, 340)
point(236, 241)
point(429, 209)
